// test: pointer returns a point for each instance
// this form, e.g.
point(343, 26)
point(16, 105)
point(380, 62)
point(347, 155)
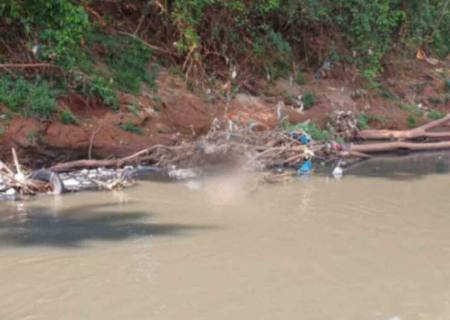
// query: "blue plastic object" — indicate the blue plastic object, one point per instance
point(304, 138)
point(305, 168)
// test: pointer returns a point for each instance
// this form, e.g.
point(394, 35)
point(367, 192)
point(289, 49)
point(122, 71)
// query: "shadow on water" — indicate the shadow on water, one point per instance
point(73, 227)
point(409, 167)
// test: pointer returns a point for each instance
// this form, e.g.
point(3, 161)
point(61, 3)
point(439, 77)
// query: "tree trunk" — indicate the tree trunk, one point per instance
point(420, 132)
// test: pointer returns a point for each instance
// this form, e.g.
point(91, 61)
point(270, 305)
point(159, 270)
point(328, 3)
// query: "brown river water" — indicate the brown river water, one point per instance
point(363, 247)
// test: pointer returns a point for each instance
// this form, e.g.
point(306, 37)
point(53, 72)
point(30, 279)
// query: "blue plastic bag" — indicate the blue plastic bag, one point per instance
point(304, 138)
point(305, 168)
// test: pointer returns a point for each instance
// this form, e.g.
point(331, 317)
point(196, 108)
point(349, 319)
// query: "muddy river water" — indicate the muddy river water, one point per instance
point(363, 247)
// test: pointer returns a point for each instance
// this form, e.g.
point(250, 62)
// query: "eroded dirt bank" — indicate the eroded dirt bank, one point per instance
point(412, 92)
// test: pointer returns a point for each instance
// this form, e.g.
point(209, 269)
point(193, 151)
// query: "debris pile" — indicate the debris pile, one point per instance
point(343, 125)
point(224, 145)
point(227, 145)
point(19, 182)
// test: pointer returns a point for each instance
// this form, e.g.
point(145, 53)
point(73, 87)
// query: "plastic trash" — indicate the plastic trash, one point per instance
point(308, 153)
point(11, 192)
point(305, 168)
point(337, 172)
point(304, 138)
point(336, 146)
point(71, 183)
point(182, 174)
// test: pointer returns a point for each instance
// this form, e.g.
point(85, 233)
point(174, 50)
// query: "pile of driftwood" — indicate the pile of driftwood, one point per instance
point(18, 181)
point(238, 147)
point(267, 149)
point(431, 136)
point(225, 145)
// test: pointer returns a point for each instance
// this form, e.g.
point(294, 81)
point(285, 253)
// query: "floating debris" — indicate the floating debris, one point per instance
point(337, 172)
point(305, 168)
point(183, 174)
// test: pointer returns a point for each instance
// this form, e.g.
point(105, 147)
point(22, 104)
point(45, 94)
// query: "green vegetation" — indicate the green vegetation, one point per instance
point(412, 121)
point(119, 64)
point(100, 48)
point(309, 100)
point(415, 111)
point(412, 108)
point(127, 61)
point(30, 98)
point(309, 127)
point(57, 28)
point(363, 121)
point(435, 115)
point(370, 28)
point(131, 128)
point(276, 32)
point(67, 117)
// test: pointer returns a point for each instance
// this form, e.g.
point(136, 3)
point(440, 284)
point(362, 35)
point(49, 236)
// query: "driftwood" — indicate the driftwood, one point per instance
point(354, 149)
point(419, 132)
point(225, 145)
point(246, 147)
point(243, 146)
point(19, 181)
point(402, 140)
point(89, 163)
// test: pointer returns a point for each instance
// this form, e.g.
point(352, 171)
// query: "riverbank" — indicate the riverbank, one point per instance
point(411, 92)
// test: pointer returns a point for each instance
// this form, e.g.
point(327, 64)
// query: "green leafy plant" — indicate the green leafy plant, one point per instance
point(67, 117)
point(128, 59)
point(30, 98)
point(104, 88)
point(130, 127)
point(309, 127)
point(268, 37)
point(58, 26)
point(363, 121)
point(411, 108)
point(412, 121)
point(309, 100)
point(435, 115)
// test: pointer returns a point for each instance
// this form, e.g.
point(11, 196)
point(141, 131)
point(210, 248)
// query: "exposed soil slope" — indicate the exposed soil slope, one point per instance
point(176, 113)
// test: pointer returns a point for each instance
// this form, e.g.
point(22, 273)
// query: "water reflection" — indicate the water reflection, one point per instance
point(414, 166)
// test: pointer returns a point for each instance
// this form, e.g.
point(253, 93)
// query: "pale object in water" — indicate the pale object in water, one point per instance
point(11, 192)
point(71, 183)
point(182, 174)
point(194, 185)
point(19, 177)
point(338, 172)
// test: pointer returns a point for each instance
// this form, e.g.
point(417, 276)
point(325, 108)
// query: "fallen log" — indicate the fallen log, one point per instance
point(419, 132)
point(396, 145)
point(89, 164)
